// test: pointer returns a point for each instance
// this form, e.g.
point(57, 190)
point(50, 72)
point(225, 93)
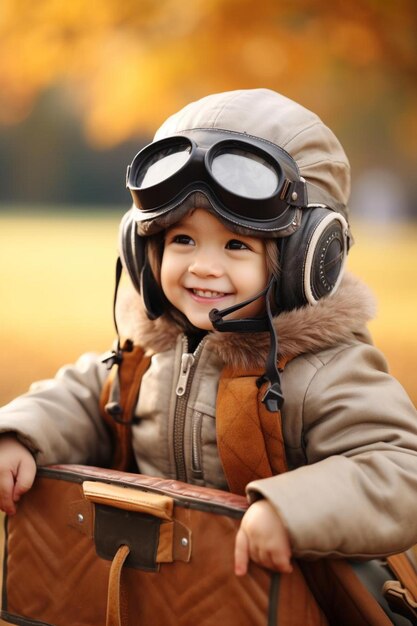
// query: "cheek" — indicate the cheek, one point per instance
point(257, 275)
point(171, 272)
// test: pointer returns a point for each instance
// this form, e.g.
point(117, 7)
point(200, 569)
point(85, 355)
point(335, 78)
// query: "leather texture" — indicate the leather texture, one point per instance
point(345, 602)
point(54, 576)
point(249, 437)
point(130, 370)
point(405, 571)
point(116, 606)
point(401, 594)
point(129, 499)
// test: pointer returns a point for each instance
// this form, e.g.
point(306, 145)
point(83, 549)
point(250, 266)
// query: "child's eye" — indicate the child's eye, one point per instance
point(236, 244)
point(182, 239)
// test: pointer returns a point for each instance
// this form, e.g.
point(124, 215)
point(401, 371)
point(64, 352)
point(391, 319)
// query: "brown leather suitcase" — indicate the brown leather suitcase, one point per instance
point(96, 547)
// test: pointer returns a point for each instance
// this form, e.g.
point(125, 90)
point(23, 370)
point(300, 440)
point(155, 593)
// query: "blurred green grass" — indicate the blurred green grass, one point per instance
point(56, 291)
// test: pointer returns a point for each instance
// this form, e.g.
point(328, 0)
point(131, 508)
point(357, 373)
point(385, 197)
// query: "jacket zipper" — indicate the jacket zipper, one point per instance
point(196, 444)
point(188, 366)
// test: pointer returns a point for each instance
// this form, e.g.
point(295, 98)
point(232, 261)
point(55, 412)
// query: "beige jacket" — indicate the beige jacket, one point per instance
point(350, 430)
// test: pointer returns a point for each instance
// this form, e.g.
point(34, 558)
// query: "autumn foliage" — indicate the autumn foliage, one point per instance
point(124, 66)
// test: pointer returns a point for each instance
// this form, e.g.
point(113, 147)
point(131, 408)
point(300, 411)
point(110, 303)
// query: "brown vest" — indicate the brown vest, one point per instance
point(249, 437)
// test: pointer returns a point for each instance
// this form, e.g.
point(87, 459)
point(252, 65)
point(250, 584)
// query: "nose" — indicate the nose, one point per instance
point(205, 263)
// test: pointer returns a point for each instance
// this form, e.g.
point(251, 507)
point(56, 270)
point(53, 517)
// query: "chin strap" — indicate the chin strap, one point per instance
point(273, 398)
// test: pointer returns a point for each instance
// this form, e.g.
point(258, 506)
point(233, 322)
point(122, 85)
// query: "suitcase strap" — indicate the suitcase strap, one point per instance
point(116, 600)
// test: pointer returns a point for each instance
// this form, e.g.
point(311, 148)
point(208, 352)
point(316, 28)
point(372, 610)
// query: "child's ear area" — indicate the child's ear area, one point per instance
point(272, 256)
point(155, 246)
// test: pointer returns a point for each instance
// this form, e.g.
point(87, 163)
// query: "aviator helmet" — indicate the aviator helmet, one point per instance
point(265, 166)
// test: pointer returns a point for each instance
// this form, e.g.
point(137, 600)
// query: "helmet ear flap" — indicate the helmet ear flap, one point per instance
point(135, 260)
point(132, 249)
point(152, 295)
point(312, 259)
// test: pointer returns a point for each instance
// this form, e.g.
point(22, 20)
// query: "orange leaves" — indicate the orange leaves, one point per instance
point(127, 65)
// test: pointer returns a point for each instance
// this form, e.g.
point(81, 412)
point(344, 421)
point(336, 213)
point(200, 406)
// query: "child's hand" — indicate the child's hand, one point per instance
point(262, 538)
point(17, 472)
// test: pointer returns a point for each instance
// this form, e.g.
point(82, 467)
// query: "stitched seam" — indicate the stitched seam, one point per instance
point(228, 101)
point(245, 414)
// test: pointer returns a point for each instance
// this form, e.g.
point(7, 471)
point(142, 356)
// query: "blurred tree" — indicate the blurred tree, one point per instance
point(126, 65)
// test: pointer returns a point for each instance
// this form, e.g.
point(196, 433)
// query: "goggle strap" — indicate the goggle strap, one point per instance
point(296, 194)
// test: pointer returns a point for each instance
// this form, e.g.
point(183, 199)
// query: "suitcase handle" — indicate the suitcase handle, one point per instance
point(145, 520)
point(171, 538)
point(129, 499)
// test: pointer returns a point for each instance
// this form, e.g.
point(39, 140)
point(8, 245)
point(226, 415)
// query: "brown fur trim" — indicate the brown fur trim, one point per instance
point(308, 329)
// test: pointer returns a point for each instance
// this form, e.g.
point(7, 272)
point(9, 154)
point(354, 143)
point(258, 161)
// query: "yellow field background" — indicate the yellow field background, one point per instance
point(56, 291)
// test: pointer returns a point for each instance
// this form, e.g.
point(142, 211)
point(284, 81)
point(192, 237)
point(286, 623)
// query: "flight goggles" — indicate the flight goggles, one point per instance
point(248, 180)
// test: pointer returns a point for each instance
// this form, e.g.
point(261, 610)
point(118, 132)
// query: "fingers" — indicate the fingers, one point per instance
point(262, 538)
point(241, 553)
point(17, 472)
point(25, 477)
point(271, 559)
point(6, 493)
point(275, 560)
point(278, 559)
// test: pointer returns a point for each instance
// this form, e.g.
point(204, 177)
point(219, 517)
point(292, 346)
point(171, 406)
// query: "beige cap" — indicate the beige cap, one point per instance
point(271, 116)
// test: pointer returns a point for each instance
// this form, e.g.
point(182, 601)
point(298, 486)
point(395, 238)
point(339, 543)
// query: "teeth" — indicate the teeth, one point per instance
point(205, 293)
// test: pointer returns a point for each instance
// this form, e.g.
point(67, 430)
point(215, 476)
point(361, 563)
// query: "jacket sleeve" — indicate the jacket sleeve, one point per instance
point(356, 496)
point(59, 419)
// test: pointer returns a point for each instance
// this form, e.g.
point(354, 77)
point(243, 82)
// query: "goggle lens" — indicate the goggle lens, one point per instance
point(163, 164)
point(244, 174)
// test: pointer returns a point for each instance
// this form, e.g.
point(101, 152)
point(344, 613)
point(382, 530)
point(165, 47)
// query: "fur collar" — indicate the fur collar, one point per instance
point(311, 328)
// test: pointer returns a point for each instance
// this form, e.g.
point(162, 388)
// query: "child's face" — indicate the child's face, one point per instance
point(207, 266)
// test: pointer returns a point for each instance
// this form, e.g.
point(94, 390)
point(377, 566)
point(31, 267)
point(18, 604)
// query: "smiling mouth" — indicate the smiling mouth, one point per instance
point(207, 293)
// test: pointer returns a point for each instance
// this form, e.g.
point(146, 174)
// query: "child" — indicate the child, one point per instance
point(236, 242)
